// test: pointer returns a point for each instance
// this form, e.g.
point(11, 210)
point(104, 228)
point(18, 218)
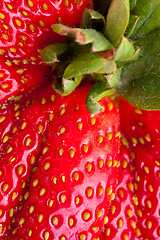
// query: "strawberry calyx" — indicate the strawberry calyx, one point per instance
point(104, 50)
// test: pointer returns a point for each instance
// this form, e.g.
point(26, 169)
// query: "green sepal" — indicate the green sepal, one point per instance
point(140, 80)
point(92, 19)
point(132, 4)
point(131, 26)
point(148, 12)
point(50, 53)
point(84, 36)
point(126, 51)
point(114, 78)
point(109, 67)
point(99, 90)
point(117, 20)
point(84, 64)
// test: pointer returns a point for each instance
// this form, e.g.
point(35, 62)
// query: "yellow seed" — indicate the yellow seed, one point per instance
point(23, 185)
point(133, 224)
point(109, 191)
point(77, 200)
point(100, 139)
point(14, 231)
point(85, 148)
point(135, 200)
point(2, 16)
point(108, 231)
point(117, 134)
point(4, 86)
point(109, 136)
point(138, 111)
point(63, 198)
point(2, 119)
point(20, 170)
point(61, 151)
point(14, 195)
point(125, 236)
point(148, 138)
point(46, 235)
point(86, 216)
point(5, 187)
point(22, 221)
point(24, 13)
point(40, 218)
point(52, 97)
point(31, 209)
point(109, 163)
point(63, 178)
point(31, 27)
point(93, 120)
point(0, 173)
point(1, 74)
point(89, 167)
point(51, 203)
point(5, 139)
point(124, 164)
point(113, 209)
point(137, 232)
point(89, 192)
point(28, 141)
point(9, 6)
point(26, 195)
point(76, 176)
point(63, 238)
point(130, 186)
point(30, 232)
point(82, 236)
point(17, 114)
point(95, 228)
point(72, 153)
point(139, 212)
point(110, 106)
point(55, 221)
point(54, 180)
point(42, 191)
point(120, 223)
point(47, 165)
point(40, 128)
point(43, 101)
point(141, 140)
point(146, 169)
point(100, 163)
point(51, 116)
point(45, 6)
point(18, 22)
point(112, 196)
point(157, 163)
point(45, 150)
point(70, 222)
point(99, 213)
point(100, 191)
point(106, 219)
point(62, 130)
point(149, 204)
point(32, 160)
point(149, 224)
point(150, 188)
point(129, 212)
point(11, 212)
point(80, 125)
point(30, 3)
point(134, 141)
point(1, 211)
point(41, 23)
point(62, 112)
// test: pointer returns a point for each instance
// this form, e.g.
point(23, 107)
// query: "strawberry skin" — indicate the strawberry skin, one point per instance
point(121, 219)
point(70, 192)
point(142, 134)
point(19, 153)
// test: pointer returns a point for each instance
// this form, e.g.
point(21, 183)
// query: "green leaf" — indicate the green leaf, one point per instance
point(126, 51)
point(99, 90)
point(140, 80)
point(84, 64)
point(70, 85)
point(50, 53)
point(92, 19)
point(148, 12)
point(131, 26)
point(84, 36)
point(117, 20)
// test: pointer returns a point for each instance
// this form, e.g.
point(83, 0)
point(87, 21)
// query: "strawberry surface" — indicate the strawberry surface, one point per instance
point(19, 153)
point(142, 133)
point(121, 220)
point(70, 193)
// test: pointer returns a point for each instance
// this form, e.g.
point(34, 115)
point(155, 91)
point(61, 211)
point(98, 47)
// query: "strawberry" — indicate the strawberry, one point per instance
point(19, 153)
point(142, 133)
point(25, 28)
point(121, 219)
point(70, 192)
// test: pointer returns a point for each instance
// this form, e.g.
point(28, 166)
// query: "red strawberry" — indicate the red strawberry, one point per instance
point(121, 219)
point(142, 132)
point(25, 27)
point(70, 192)
point(19, 154)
